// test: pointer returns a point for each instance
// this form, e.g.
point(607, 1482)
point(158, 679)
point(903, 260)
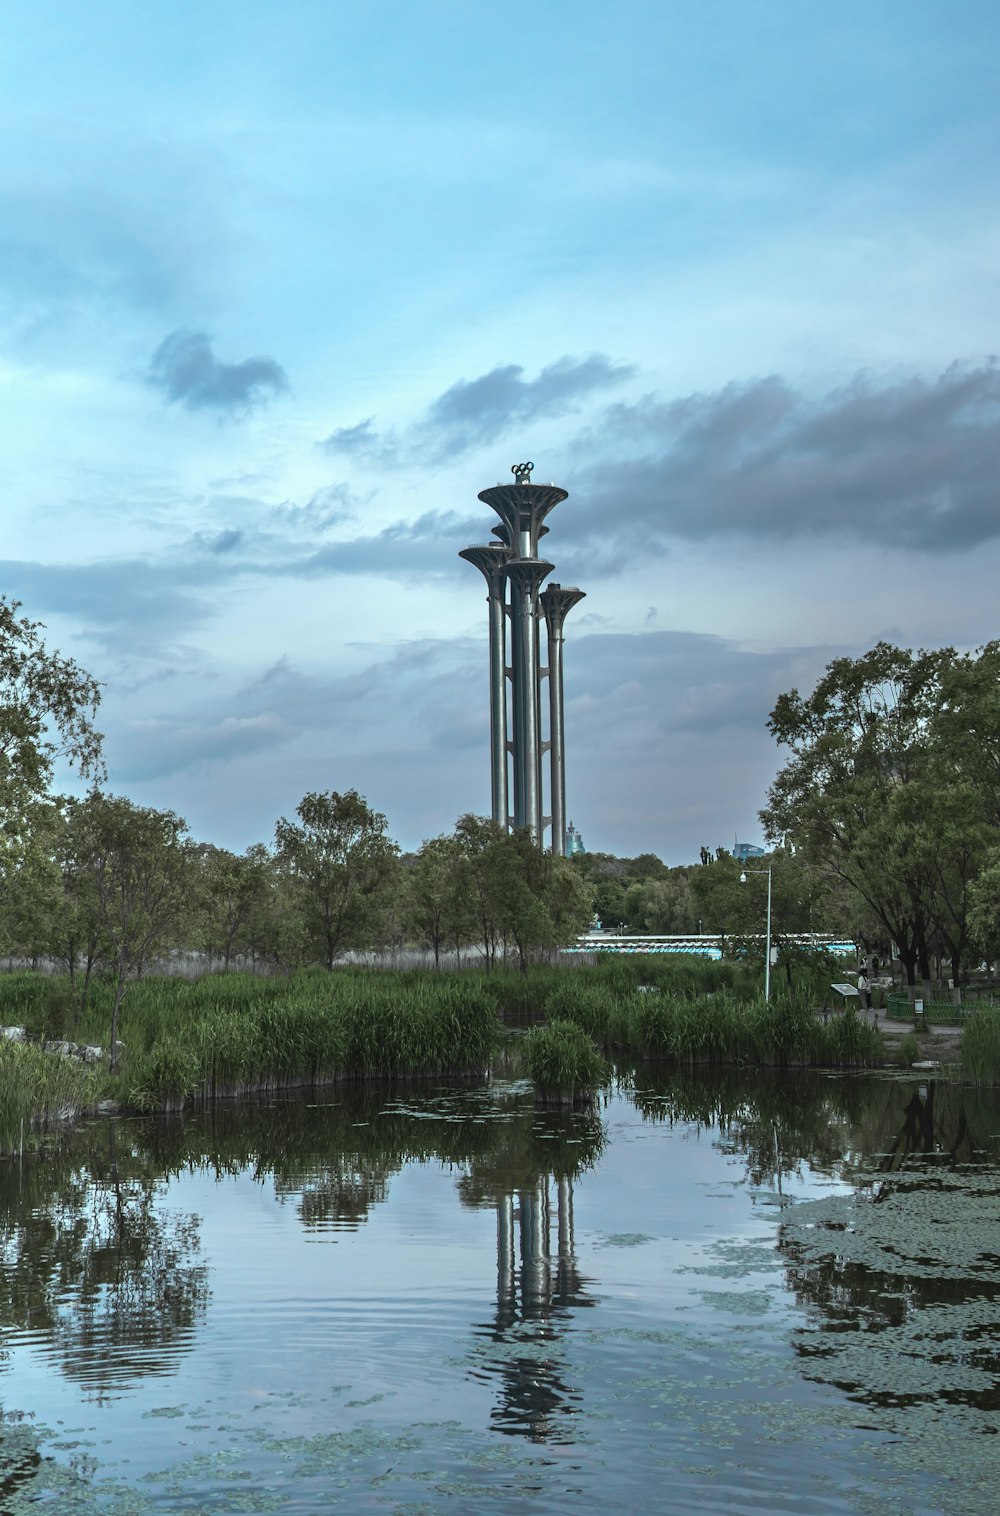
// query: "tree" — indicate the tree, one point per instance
point(232, 891)
point(435, 910)
point(539, 902)
point(134, 870)
point(478, 839)
point(30, 883)
point(343, 866)
point(47, 710)
point(880, 792)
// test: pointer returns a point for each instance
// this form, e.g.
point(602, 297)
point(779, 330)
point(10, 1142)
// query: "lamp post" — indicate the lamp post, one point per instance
point(767, 959)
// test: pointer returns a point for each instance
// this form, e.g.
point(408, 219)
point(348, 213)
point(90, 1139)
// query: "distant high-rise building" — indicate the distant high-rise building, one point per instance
point(574, 842)
point(744, 850)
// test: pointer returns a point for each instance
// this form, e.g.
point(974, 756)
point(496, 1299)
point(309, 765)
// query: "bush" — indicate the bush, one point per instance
point(563, 1063)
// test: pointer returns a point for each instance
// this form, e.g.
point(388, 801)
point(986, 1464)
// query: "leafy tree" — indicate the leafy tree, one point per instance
point(133, 867)
point(874, 793)
point(47, 710)
point(540, 903)
point(344, 867)
point(232, 892)
point(666, 905)
point(30, 883)
point(478, 839)
point(436, 910)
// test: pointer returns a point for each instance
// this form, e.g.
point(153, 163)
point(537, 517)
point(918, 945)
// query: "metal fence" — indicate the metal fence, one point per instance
point(936, 1012)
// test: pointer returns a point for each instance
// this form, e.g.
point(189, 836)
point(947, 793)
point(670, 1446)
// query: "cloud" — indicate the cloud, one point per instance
point(427, 688)
point(364, 441)
point(473, 412)
point(908, 462)
point(185, 369)
point(334, 505)
point(119, 604)
point(410, 729)
point(477, 411)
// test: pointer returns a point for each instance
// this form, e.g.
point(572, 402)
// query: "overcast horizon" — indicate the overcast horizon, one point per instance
point(281, 291)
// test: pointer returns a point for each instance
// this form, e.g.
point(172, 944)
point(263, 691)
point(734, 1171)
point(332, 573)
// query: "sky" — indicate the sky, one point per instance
point(283, 288)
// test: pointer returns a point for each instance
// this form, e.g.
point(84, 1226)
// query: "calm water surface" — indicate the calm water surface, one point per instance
point(710, 1295)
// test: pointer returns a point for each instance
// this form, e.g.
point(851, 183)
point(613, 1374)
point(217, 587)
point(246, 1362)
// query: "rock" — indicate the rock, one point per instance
point(90, 1055)
point(925, 1063)
point(14, 1033)
point(66, 1048)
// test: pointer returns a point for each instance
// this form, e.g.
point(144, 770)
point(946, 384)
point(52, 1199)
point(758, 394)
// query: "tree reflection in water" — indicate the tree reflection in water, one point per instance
point(903, 1275)
point(94, 1268)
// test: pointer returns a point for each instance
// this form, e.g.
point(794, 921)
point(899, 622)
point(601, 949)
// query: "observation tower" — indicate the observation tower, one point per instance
point(518, 605)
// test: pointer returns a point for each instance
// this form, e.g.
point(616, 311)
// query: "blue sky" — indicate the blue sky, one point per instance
point(282, 289)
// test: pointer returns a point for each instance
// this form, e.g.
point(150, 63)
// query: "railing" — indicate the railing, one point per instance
point(935, 1012)
point(706, 943)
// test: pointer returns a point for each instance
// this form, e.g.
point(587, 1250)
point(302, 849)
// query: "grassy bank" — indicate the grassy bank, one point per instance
point(40, 1089)
point(726, 1029)
point(189, 1041)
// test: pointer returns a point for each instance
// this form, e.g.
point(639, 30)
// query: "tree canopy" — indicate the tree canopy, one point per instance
point(893, 789)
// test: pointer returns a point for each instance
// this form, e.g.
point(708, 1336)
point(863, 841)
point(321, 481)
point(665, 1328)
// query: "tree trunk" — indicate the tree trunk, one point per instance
point(119, 995)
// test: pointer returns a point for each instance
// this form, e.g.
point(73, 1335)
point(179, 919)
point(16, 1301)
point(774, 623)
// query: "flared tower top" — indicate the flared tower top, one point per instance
point(490, 558)
point(557, 601)
point(522, 508)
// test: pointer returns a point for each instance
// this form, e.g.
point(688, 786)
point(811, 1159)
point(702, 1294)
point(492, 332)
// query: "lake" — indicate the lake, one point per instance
point(711, 1294)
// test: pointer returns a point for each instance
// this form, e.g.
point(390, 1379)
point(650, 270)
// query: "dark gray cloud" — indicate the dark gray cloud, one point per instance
point(124, 606)
point(410, 729)
point(334, 505)
point(423, 687)
point(907, 463)
point(365, 442)
point(477, 411)
point(185, 369)
point(473, 412)
point(427, 547)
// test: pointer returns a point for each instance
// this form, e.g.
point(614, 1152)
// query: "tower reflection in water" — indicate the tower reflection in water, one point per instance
point(539, 1285)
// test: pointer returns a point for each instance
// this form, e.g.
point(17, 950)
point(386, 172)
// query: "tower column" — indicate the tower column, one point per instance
point(556, 603)
point(525, 576)
point(513, 562)
point(490, 560)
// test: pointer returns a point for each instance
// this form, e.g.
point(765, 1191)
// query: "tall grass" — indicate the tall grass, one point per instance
point(235, 1033)
point(304, 1032)
point(563, 1063)
point(981, 1046)
point(39, 1089)
point(683, 1029)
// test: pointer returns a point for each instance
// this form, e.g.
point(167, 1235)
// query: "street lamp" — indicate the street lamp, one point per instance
point(767, 960)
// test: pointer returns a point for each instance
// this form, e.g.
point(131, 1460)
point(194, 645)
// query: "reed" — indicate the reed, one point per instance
point(563, 1064)
point(309, 1031)
point(38, 1089)
point(980, 1063)
point(234, 1033)
point(726, 1029)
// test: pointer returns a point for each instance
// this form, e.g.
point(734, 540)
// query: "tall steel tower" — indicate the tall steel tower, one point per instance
point(514, 575)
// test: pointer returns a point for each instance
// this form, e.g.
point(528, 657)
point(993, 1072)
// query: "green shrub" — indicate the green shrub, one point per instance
point(908, 1050)
point(562, 1062)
